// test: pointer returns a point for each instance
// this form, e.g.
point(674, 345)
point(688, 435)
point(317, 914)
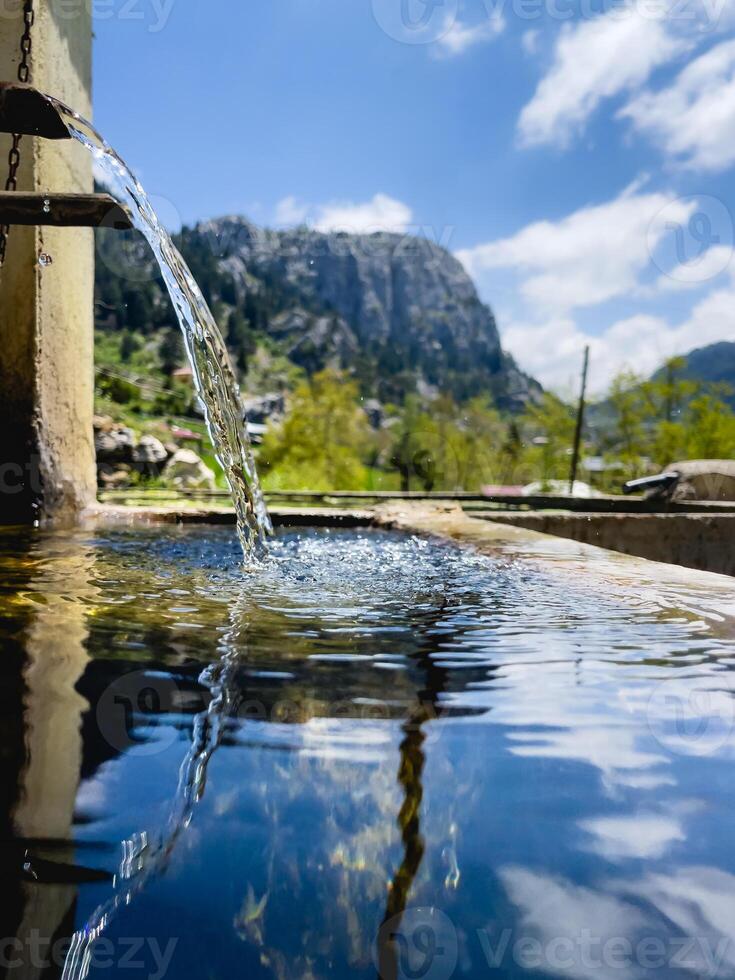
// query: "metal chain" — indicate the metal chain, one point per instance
point(24, 74)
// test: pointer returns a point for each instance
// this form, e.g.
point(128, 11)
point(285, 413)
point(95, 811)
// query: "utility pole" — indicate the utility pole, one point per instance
point(580, 421)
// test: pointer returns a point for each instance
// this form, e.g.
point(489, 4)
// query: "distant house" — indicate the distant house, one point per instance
point(185, 435)
point(184, 373)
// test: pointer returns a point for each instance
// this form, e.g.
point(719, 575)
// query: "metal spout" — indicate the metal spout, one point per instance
point(64, 210)
point(24, 110)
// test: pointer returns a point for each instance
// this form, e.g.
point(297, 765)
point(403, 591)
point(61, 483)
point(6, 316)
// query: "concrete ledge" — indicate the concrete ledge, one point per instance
point(281, 516)
point(702, 541)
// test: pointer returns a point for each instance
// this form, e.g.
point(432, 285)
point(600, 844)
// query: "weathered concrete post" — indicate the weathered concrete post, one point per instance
point(47, 469)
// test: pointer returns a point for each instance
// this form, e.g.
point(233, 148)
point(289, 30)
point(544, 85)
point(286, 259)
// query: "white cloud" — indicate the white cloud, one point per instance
point(290, 211)
point(382, 213)
point(599, 254)
point(693, 120)
point(458, 37)
point(595, 60)
point(692, 274)
point(530, 41)
point(551, 351)
point(592, 255)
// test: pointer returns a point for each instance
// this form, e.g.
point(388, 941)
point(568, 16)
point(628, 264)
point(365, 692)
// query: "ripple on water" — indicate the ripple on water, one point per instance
point(365, 723)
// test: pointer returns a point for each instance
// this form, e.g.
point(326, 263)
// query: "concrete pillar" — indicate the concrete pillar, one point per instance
point(47, 469)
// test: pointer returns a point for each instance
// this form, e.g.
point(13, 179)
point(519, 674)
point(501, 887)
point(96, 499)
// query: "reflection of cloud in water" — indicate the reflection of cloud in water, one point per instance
point(653, 780)
point(553, 911)
point(700, 901)
point(356, 742)
point(645, 835)
point(589, 722)
point(689, 916)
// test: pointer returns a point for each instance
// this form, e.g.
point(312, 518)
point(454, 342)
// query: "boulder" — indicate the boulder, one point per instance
point(149, 456)
point(187, 471)
point(113, 477)
point(103, 423)
point(150, 451)
point(114, 445)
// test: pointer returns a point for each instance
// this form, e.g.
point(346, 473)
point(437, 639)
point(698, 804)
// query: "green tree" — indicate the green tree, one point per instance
point(240, 339)
point(631, 412)
point(129, 344)
point(548, 429)
point(171, 350)
point(668, 418)
point(445, 446)
point(668, 393)
point(323, 440)
point(138, 309)
point(710, 429)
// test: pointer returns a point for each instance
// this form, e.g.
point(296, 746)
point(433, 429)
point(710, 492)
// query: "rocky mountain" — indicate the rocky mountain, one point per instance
point(398, 312)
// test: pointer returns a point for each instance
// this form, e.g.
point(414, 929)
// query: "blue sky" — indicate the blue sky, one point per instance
point(577, 155)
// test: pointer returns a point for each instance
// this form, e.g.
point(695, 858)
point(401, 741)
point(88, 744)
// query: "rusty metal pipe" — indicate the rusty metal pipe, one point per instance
point(63, 210)
point(24, 110)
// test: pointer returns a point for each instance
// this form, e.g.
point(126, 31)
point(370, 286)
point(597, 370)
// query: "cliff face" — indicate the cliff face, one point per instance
point(398, 313)
point(399, 310)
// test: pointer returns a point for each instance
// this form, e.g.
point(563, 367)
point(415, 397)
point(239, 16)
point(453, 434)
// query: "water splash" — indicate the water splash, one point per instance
point(212, 369)
point(144, 856)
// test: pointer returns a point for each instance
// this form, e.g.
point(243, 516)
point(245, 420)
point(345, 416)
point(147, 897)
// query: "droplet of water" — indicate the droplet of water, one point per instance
point(47, 206)
point(44, 260)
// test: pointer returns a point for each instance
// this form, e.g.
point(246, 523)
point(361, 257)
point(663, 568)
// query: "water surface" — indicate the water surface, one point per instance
point(373, 753)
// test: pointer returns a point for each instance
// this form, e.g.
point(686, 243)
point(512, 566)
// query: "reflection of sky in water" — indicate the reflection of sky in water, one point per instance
point(404, 725)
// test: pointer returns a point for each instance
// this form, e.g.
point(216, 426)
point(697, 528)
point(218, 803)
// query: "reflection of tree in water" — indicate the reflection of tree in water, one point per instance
point(409, 821)
point(410, 776)
point(349, 863)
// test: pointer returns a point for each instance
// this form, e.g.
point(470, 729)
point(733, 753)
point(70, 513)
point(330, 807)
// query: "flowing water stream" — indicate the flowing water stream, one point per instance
point(214, 377)
point(217, 388)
